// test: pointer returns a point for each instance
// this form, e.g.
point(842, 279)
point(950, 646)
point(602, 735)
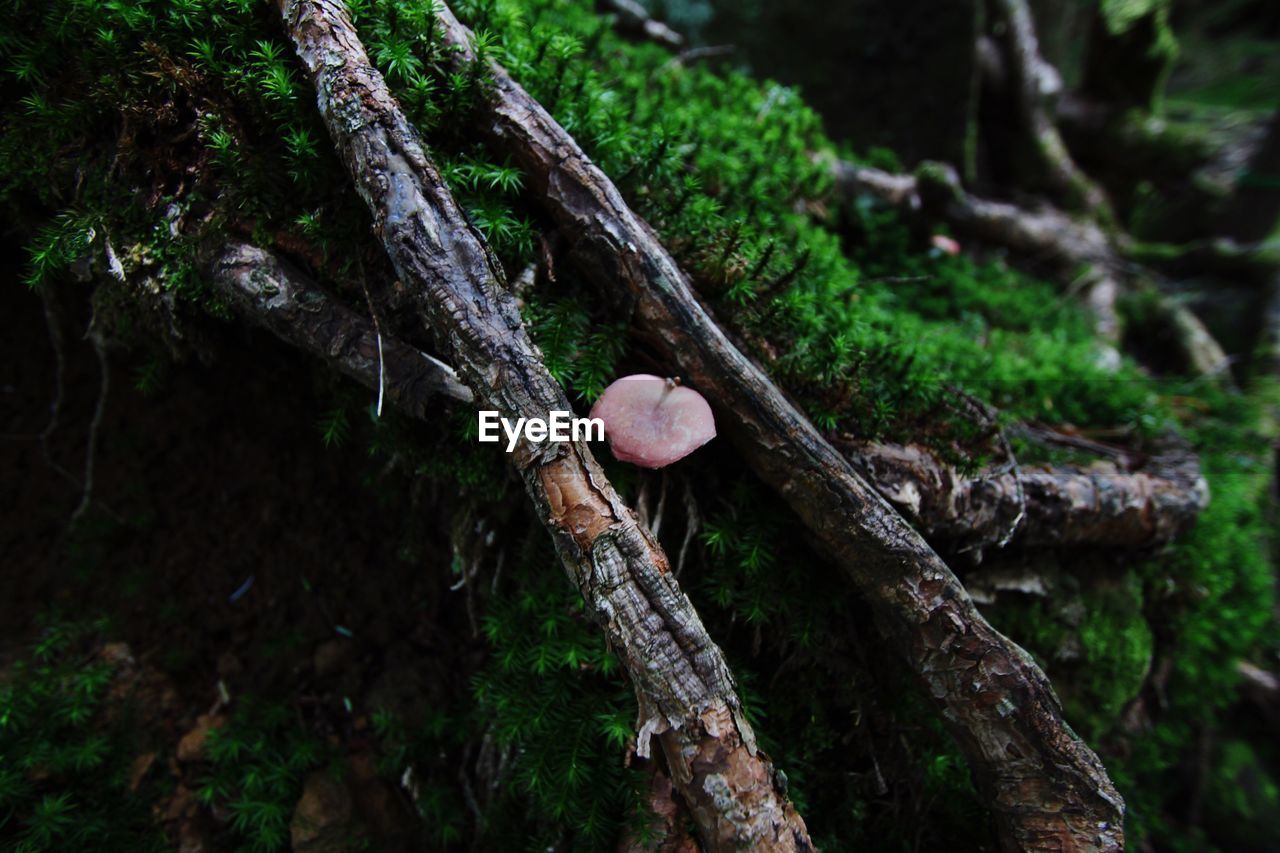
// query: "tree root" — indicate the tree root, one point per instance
point(1067, 244)
point(685, 690)
point(1036, 81)
point(1046, 787)
point(1099, 505)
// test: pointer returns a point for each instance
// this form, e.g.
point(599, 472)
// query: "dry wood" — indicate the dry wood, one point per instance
point(1045, 786)
point(685, 690)
point(271, 293)
point(1101, 504)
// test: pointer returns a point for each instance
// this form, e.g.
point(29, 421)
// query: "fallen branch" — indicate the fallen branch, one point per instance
point(271, 293)
point(685, 691)
point(1098, 505)
point(633, 19)
point(1046, 787)
point(1103, 504)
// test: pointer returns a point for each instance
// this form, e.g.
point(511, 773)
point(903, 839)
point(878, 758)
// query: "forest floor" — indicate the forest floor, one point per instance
point(212, 563)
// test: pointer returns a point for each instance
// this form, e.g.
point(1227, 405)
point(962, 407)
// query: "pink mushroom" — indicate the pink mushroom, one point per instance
point(652, 422)
point(945, 244)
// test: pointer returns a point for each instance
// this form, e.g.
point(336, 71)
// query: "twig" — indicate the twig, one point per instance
point(377, 328)
point(53, 323)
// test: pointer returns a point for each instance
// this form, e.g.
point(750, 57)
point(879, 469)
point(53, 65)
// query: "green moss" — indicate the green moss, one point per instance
point(850, 309)
point(1242, 800)
point(257, 764)
point(65, 758)
point(1091, 636)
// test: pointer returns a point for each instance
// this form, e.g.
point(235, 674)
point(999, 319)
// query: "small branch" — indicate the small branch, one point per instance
point(1044, 785)
point(1220, 256)
point(1066, 243)
point(53, 323)
point(632, 19)
point(95, 424)
point(684, 688)
point(1262, 688)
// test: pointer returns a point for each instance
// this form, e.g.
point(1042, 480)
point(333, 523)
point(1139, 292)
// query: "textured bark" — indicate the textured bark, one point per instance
point(1098, 505)
point(1046, 787)
point(268, 291)
point(685, 690)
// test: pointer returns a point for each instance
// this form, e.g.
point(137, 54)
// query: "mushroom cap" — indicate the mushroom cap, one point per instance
point(651, 422)
point(946, 245)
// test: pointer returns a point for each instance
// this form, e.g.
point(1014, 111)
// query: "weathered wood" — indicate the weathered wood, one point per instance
point(1099, 505)
point(1046, 787)
point(684, 686)
point(268, 291)
point(1104, 504)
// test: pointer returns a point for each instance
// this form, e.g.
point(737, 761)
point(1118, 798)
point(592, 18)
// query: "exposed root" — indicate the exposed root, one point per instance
point(95, 337)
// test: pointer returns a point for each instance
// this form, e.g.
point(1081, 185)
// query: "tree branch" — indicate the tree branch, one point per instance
point(267, 290)
point(684, 687)
point(632, 19)
point(1097, 505)
point(1103, 504)
point(1047, 788)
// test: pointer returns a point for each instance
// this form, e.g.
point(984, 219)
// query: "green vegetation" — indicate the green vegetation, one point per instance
point(849, 309)
point(65, 761)
point(257, 763)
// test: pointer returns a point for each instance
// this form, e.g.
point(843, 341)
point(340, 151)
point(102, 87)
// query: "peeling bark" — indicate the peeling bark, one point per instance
point(1046, 787)
point(684, 687)
point(1098, 505)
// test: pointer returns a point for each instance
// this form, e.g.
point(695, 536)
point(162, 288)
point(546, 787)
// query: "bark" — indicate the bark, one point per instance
point(1046, 787)
point(684, 686)
point(1035, 81)
point(1099, 505)
point(268, 291)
